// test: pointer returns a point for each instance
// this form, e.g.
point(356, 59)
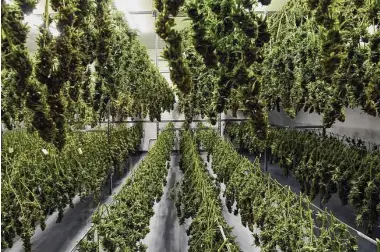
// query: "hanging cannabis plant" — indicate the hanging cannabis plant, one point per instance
point(47, 71)
point(204, 79)
point(179, 71)
point(74, 48)
point(198, 198)
point(16, 65)
point(319, 58)
point(103, 23)
point(372, 90)
point(19, 87)
point(85, 44)
point(141, 89)
point(229, 36)
point(197, 11)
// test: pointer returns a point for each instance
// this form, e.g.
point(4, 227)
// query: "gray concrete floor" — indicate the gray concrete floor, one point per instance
point(166, 234)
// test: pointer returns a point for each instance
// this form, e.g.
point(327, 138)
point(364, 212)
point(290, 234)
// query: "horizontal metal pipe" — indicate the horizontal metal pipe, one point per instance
point(145, 12)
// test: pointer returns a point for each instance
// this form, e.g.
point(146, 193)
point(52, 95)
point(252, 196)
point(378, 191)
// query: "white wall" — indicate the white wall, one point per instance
point(357, 124)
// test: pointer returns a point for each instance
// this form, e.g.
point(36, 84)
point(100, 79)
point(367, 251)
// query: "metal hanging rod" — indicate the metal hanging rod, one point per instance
point(222, 120)
point(155, 121)
point(153, 13)
point(277, 125)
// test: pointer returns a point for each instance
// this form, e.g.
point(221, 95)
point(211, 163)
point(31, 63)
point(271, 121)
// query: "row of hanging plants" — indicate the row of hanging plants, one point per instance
point(230, 37)
point(200, 100)
point(278, 218)
point(219, 56)
point(323, 57)
point(38, 179)
point(19, 88)
point(165, 28)
point(122, 225)
point(95, 61)
point(197, 197)
point(350, 170)
point(244, 138)
point(314, 56)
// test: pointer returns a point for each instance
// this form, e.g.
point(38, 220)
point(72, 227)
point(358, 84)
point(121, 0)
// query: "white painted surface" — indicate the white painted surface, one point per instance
point(357, 124)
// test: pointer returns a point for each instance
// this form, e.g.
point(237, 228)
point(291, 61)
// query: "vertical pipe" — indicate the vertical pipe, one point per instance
point(46, 14)
point(109, 145)
point(157, 129)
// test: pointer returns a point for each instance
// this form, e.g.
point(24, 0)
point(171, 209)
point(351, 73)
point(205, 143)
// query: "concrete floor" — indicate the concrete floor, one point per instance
point(165, 232)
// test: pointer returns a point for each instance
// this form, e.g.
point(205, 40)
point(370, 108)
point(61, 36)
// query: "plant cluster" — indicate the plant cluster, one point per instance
point(230, 37)
point(243, 136)
point(95, 60)
point(38, 179)
point(142, 89)
point(350, 170)
point(179, 71)
point(19, 89)
point(198, 198)
point(199, 100)
point(122, 225)
point(285, 220)
point(323, 57)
